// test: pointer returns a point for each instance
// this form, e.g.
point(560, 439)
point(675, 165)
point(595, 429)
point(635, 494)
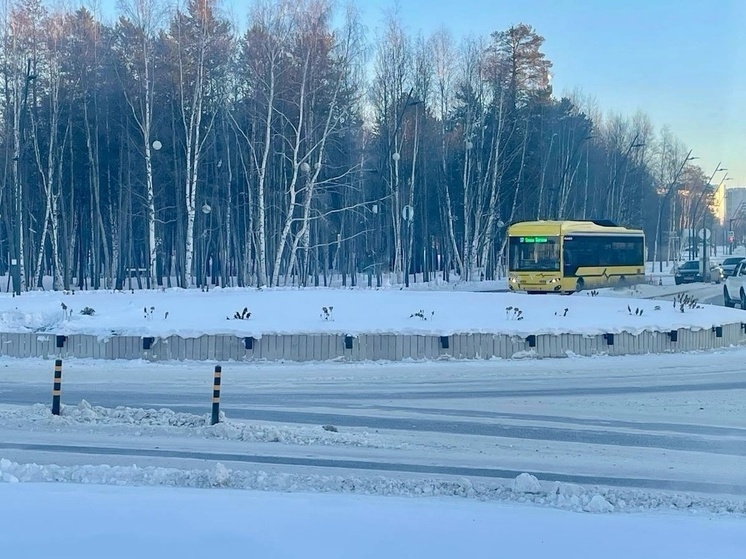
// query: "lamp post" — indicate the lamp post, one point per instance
point(694, 217)
point(206, 209)
point(373, 244)
point(715, 191)
point(565, 170)
point(663, 202)
point(396, 157)
point(634, 145)
point(407, 214)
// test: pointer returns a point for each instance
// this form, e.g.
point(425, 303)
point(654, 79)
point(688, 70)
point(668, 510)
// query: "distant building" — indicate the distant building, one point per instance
point(735, 205)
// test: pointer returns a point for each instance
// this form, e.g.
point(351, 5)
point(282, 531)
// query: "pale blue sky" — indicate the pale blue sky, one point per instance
point(683, 62)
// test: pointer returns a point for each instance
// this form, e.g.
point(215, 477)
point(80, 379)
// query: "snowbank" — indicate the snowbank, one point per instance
point(246, 312)
point(525, 488)
point(550, 494)
point(166, 421)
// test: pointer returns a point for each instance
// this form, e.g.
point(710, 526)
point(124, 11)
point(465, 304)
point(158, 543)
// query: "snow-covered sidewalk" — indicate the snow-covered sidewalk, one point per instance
point(74, 521)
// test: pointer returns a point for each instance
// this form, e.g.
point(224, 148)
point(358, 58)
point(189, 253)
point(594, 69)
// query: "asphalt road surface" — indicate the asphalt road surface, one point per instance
point(669, 422)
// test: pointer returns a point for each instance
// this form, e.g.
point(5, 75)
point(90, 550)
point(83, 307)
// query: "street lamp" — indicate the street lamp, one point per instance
point(407, 214)
point(633, 145)
point(566, 169)
point(694, 216)
point(663, 202)
point(394, 150)
point(373, 243)
point(206, 209)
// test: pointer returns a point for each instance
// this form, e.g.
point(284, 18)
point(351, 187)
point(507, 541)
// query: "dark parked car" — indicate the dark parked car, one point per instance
point(689, 272)
point(729, 265)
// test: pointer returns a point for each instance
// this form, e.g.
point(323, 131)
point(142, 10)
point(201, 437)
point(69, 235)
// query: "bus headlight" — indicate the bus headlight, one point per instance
point(554, 280)
point(513, 279)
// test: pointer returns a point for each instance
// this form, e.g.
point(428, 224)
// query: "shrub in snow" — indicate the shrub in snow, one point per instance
point(421, 314)
point(513, 313)
point(244, 314)
point(88, 311)
point(684, 301)
point(526, 483)
point(326, 313)
point(66, 312)
point(599, 504)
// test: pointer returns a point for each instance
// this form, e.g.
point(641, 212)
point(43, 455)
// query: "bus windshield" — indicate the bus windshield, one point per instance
point(539, 254)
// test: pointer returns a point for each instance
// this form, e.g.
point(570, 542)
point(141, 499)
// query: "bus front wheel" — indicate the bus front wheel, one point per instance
point(580, 285)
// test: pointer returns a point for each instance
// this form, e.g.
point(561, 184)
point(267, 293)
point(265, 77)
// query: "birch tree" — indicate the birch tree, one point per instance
point(199, 48)
point(49, 160)
point(392, 93)
point(136, 36)
point(332, 105)
point(263, 54)
point(444, 67)
point(18, 61)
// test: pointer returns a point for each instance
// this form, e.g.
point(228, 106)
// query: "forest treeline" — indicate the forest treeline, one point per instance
point(171, 147)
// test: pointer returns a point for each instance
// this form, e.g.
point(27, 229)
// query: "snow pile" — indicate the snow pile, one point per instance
point(526, 483)
point(15, 320)
point(122, 415)
point(595, 500)
point(252, 432)
point(599, 504)
point(186, 424)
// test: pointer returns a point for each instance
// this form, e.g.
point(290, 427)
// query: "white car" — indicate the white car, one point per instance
point(730, 264)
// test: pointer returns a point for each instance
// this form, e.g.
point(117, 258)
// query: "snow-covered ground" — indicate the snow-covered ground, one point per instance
point(372, 460)
point(146, 510)
point(251, 312)
point(125, 522)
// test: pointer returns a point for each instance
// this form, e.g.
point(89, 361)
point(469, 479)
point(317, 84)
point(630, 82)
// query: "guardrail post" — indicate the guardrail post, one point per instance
point(57, 388)
point(216, 395)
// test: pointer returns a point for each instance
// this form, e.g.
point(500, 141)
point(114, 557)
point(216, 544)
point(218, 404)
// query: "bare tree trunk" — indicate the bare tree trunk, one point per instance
point(261, 202)
point(192, 90)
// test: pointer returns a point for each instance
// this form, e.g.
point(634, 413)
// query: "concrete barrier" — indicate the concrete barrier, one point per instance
point(363, 347)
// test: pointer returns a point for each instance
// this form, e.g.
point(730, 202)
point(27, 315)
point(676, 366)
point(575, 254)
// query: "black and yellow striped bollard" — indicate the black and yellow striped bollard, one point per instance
point(57, 389)
point(216, 395)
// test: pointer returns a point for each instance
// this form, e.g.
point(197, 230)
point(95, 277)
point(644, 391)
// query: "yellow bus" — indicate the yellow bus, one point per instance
point(569, 256)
